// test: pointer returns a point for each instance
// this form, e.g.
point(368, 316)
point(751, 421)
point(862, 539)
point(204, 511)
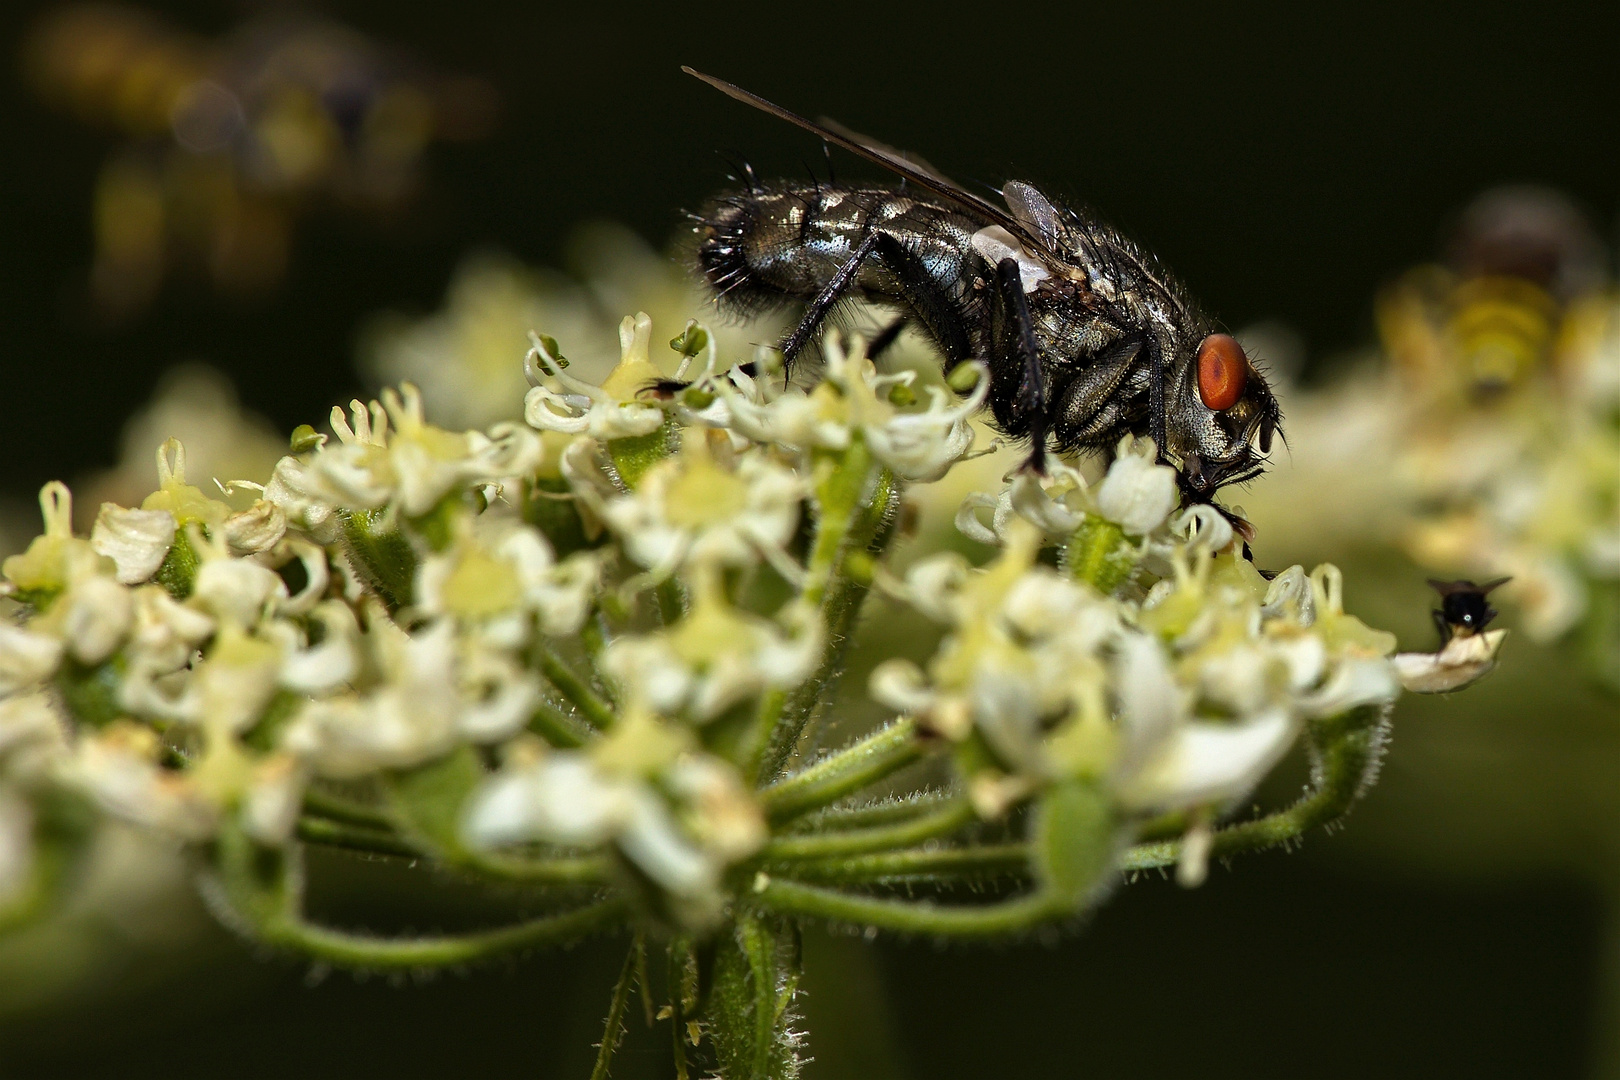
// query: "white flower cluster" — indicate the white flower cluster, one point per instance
point(1178, 699)
point(609, 600)
point(680, 815)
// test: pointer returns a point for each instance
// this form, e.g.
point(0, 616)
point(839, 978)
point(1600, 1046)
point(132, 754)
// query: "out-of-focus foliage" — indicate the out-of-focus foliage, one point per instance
point(461, 355)
point(1486, 441)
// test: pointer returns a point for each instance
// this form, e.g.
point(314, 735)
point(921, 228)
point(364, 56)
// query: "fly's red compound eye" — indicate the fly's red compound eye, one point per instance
point(1223, 371)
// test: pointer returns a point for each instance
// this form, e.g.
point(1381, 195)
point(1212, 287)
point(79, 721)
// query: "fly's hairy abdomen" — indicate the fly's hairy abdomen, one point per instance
point(761, 249)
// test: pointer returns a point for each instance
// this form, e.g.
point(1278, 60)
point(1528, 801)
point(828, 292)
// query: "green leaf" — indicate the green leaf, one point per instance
point(1075, 833)
point(634, 455)
point(428, 799)
point(756, 975)
point(383, 556)
point(91, 693)
point(178, 573)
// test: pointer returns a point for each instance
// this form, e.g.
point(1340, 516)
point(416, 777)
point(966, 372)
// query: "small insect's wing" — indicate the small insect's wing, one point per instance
point(920, 174)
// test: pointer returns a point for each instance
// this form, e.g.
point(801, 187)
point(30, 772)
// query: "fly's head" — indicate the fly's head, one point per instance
point(1221, 415)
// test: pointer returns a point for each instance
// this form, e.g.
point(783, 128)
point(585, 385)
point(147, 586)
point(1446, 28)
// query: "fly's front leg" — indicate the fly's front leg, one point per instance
point(1031, 397)
point(826, 299)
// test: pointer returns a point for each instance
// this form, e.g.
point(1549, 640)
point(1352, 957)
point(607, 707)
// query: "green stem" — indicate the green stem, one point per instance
point(260, 890)
point(886, 812)
point(840, 489)
point(328, 833)
point(557, 727)
point(367, 951)
point(850, 769)
point(911, 916)
point(840, 610)
point(339, 808)
point(811, 846)
point(556, 870)
point(940, 866)
point(572, 687)
point(614, 1029)
point(839, 614)
point(755, 977)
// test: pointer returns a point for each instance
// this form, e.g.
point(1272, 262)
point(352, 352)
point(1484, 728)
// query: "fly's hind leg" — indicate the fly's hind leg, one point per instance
point(1018, 330)
point(815, 313)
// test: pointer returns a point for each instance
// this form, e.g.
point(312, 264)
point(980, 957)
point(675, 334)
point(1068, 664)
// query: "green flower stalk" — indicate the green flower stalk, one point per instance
point(594, 655)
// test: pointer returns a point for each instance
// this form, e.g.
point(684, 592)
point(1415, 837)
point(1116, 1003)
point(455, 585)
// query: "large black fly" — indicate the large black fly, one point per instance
point(1085, 335)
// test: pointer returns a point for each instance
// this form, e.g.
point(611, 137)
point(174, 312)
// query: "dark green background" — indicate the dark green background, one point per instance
point(1285, 159)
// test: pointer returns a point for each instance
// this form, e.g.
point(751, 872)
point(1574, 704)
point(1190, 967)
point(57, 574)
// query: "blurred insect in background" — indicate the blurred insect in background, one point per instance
point(229, 141)
point(1087, 338)
point(1493, 317)
point(1504, 418)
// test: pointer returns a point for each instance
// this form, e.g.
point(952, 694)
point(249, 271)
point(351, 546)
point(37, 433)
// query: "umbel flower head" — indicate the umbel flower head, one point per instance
point(595, 652)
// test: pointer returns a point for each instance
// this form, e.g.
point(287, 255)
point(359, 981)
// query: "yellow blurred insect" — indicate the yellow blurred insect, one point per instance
point(1493, 316)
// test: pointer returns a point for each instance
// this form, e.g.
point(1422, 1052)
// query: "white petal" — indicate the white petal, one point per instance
point(258, 528)
point(1289, 596)
point(30, 720)
point(503, 714)
point(1137, 494)
point(1463, 661)
point(274, 799)
point(99, 614)
point(1151, 702)
point(236, 589)
point(653, 842)
point(136, 540)
point(1357, 681)
point(1205, 763)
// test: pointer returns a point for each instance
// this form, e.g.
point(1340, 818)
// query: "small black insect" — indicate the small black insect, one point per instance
point(1463, 610)
point(1086, 337)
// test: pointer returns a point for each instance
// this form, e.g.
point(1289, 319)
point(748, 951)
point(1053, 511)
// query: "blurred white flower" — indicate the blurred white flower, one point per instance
point(115, 767)
point(499, 569)
point(26, 658)
point(435, 691)
point(680, 816)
